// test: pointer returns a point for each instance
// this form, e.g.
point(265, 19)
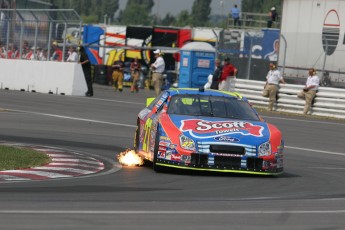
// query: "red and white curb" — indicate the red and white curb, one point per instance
point(64, 164)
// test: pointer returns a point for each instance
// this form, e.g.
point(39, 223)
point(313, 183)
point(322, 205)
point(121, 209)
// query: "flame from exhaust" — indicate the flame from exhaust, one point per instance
point(130, 158)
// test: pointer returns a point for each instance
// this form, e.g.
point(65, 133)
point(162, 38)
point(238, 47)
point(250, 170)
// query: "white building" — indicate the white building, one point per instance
point(315, 37)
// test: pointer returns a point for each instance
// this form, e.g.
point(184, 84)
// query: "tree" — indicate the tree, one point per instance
point(137, 12)
point(200, 12)
point(182, 19)
point(168, 20)
point(260, 6)
point(91, 10)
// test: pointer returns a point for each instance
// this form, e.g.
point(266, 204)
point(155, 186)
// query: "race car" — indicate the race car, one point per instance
point(207, 130)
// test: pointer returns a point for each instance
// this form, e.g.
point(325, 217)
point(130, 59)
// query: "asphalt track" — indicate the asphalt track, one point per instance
point(309, 195)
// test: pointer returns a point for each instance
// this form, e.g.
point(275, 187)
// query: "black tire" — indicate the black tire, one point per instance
point(156, 167)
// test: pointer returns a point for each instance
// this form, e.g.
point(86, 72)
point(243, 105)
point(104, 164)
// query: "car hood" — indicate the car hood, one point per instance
point(213, 129)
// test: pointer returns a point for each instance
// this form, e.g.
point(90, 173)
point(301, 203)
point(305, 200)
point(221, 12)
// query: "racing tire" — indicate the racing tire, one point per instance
point(156, 167)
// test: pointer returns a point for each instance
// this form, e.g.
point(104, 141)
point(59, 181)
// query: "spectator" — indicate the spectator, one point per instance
point(216, 74)
point(235, 14)
point(272, 83)
point(44, 55)
point(117, 75)
point(25, 48)
point(35, 53)
point(86, 65)
point(310, 89)
point(2, 50)
point(135, 71)
point(72, 55)
point(272, 17)
point(228, 77)
point(28, 53)
point(158, 68)
point(213, 79)
point(13, 53)
point(57, 52)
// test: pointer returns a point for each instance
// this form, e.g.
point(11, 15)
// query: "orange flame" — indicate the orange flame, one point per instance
point(130, 158)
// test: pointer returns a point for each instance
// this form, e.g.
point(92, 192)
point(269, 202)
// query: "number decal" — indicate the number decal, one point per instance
point(147, 130)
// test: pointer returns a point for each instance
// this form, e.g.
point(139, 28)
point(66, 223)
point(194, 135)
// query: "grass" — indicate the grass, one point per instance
point(21, 158)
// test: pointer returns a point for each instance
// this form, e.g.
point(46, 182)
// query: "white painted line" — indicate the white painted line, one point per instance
point(326, 168)
point(38, 173)
point(58, 169)
point(76, 118)
point(10, 177)
point(125, 102)
point(71, 160)
point(306, 121)
point(315, 150)
point(177, 212)
point(50, 150)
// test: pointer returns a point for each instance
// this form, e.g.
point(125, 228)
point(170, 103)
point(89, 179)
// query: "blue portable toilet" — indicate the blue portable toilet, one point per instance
point(196, 63)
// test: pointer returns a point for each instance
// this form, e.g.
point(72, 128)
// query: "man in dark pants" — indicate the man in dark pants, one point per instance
point(86, 65)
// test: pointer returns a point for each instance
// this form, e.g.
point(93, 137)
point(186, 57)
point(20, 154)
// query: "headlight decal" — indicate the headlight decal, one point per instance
point(187, 143)
point(264, 149)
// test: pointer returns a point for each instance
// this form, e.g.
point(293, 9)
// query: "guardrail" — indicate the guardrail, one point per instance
point(329, 102)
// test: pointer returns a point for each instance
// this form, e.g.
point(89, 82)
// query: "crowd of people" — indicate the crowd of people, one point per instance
point(31, 52)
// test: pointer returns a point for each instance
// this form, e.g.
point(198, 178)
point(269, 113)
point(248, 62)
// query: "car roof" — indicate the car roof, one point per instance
point(207, 92)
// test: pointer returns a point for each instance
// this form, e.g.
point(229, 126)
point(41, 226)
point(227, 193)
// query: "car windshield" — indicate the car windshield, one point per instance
point(211, 106)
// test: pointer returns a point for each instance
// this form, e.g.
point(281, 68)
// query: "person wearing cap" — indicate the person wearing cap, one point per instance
point(310, 89)
point(57, 52)
point(228, 77)
point(272, 83)
point(158, 68)
point(272, 17)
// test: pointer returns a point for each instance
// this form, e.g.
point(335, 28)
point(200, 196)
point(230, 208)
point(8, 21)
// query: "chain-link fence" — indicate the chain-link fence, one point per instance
point(39, 34)
point(250, 50)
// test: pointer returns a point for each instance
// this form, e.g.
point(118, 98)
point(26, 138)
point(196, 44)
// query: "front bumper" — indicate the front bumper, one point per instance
point(227, 164)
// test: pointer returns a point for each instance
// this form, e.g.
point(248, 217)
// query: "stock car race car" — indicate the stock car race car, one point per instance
point(207, 130)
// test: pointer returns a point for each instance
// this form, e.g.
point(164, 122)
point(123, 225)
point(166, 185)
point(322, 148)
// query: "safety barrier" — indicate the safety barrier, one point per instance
point(329, 102)
point(62, 78)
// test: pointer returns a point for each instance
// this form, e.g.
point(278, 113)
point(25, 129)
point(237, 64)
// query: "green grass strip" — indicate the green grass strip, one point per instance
point(21, 158)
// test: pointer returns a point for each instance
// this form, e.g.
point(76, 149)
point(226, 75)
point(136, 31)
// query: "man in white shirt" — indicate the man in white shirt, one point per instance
point(309, 91)
point(158, 68)
point(271, 87)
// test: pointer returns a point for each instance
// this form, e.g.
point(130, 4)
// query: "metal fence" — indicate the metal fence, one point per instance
point(34, 34)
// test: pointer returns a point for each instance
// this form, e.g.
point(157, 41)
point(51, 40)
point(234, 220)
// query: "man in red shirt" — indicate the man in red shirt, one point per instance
point(228, 77)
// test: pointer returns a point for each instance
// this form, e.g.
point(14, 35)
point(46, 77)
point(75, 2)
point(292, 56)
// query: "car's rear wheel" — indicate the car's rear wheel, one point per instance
point(156, 167)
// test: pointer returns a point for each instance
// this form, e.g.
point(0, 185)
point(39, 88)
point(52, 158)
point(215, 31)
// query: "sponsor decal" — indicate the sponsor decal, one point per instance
point(227, 139)
point(219, 128)
point(164, 138)
point(164, 143)
point(168, 155)
point(173, 146)
point(175, 157)
point(161, 154)
point(162, 148)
